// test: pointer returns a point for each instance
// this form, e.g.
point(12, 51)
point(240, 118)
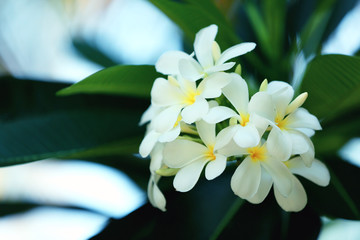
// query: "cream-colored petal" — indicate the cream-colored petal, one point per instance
point(218, 114)
point(261, 104)
point(301, 118)
point(170, 135)
point(168, 63)
point(196, 111)
point(282, 94)
point(182, 152)
point(299, 142)
point(187, 177)
point(280, 175)
point(206, 132)
point(211, 86)
point(156, 156)
point(216, 167)
point(295, 201)
point(247, 136)
point(219, 68)
point(203, 45)
point(225, 136)
point(156, 197)
point(234, 51)
point(148, 143)
point(149, 114)
point(264, 188)
point(165, 94)
point(246, 179)
point(190, 69)
point(317, 173)
point(279, 144)
point(237, 93)
point(231, 149)
point(166, 119)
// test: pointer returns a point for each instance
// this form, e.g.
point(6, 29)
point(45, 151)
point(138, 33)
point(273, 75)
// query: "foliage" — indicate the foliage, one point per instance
point(97, 120)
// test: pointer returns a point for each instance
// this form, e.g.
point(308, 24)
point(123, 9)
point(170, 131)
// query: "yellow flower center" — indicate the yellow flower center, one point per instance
point(257, 153)
point(209, 154)
point(244, 119)
point(191, 97)
point(281, 122)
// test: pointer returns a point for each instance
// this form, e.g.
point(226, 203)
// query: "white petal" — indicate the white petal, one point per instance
point(181, 152)
point(237, 93)
point(246, 179)
point(156, 156)
point(317, 173)
point(148, 143)
point(203, 45)
point(165, 94)
point(280, 174)
point(260, 123)
point(231, 149)
point(190, 69)
point(225, 136)
point(168, 63)
point(155, 196)
point(261, 104)
point(187, 177)
point(301, 118)
point(220, 68)
point(216, 167)
point(196, 111)
point(218, 114)
point(247, 136)
point(297, 199)
point(264, 188)
point(206, 132)
point(282, 94)
point(237, 50)
point(166, 119)
point(212, 85)
point(149, 114)
point(309, 156)
point(279, 144)
point(299, 142)
point(171, 135)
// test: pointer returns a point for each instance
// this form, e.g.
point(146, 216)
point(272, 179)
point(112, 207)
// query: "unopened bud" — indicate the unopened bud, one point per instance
point(263, 85)
point(296, 103)
point(216, 51)
point(238, 69)
point(167, 172)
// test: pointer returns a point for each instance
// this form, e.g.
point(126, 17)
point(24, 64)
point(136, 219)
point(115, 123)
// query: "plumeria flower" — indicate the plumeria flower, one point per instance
point(182, 98)
point(208, 54)
point(191, 157)
point(293, 124)
point(156, 197)
point(261, 167)
point(297, 199)
point(250, 119)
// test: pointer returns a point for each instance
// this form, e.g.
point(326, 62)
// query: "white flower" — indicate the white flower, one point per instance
point(210, 59)
point(293, 124)
point(297, 199)
point(251, 118)
point(261, 168)
point(191, 157)
point(155, 196)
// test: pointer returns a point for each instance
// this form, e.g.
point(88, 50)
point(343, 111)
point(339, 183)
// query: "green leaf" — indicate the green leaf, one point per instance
point(35, 124)
point(333, 84)
point(193, 15)
point(124, 80)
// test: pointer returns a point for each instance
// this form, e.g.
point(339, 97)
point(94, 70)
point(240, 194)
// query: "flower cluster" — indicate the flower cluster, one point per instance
point(202, 117)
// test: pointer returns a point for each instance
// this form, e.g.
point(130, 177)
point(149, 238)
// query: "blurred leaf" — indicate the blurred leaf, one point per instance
point(341, 199)
point(57, 127)
point(194, 15)
point(212, 211)
point(125, 80)
point(333, 83)
point(92, 53)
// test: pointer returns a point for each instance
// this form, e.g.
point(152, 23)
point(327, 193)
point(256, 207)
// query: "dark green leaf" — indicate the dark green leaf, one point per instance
point(35, 124)
point(125, 80)
point(333, 84)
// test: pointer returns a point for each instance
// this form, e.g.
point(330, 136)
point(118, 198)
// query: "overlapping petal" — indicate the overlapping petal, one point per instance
point(295, 201)
point(216, 167)
point(187, 177)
